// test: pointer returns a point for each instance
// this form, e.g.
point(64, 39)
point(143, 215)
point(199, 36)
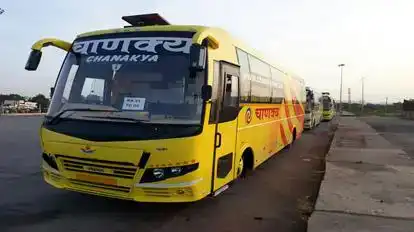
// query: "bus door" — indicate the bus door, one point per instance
point(226, 125)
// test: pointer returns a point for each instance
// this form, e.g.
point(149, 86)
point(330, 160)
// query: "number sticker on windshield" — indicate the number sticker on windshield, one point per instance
point(133, 103)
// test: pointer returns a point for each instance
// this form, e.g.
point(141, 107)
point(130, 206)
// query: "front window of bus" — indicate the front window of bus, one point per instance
point(140, 78)
point(326, 104)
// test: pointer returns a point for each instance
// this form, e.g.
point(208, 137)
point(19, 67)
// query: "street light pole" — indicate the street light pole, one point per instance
point(362, 94)
point(340, 90)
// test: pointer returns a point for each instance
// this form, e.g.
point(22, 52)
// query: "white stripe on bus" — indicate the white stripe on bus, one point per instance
point(176, 185)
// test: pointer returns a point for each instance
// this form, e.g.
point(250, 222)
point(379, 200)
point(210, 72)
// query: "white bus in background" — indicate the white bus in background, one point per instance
point(313, 108)
point(18, 106)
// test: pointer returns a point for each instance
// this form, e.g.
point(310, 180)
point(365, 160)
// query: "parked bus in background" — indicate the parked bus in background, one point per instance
point(155, 112)
point(329, 106)
point(313, 108)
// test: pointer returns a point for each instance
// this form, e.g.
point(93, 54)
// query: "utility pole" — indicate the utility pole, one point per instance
point(340, 90)
point(349, 99)
point(386, 104)
point(362, 99)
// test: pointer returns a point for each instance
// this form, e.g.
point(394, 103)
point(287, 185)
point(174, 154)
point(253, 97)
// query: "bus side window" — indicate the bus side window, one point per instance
point(230, 104)
point(231, 92)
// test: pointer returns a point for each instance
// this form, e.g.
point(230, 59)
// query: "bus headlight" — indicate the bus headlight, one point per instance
point(159, 174)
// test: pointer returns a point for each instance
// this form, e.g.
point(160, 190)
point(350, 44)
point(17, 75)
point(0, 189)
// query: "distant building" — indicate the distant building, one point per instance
point(19, 104)
point(12, 103)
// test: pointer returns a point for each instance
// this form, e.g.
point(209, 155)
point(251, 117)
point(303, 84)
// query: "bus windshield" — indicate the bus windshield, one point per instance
point(144, 78)
point(326, 103)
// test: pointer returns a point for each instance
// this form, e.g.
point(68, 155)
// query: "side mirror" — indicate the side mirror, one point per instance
point(33, 60)
point(198, 55)
point(52, 90)
point(206, 92)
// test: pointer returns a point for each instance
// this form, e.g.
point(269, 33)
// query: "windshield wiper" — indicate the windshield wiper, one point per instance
point(55, 119)
point(118, 118)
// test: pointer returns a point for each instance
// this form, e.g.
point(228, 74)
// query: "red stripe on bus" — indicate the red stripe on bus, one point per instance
point(283, 135)
point(289, 120)
point(298, 109)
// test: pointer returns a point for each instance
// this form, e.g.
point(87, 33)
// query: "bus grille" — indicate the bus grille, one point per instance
point(88, 184)
point(98, 167)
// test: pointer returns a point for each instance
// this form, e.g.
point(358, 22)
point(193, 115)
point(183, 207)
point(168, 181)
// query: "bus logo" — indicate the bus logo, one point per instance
point(248, 116)
point(87, 150)
point(94, 169)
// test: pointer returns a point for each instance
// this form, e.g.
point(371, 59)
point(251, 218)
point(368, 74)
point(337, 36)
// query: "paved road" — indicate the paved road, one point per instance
point(277, 196)
point(400, 132)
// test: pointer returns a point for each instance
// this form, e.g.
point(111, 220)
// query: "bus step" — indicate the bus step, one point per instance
point(220, 190)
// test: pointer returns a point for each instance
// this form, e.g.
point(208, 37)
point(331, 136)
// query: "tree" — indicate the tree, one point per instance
point(41, 100)
point(15, 97)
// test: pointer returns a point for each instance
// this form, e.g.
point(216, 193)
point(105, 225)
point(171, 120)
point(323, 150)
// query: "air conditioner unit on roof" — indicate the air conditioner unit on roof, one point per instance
point(145, 20)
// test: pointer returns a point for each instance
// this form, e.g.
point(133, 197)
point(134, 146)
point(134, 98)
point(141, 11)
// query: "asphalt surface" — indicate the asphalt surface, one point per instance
point(278, 196)
point(398, 131)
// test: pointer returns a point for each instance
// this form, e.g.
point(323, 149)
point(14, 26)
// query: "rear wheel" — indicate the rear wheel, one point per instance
point(293, 139)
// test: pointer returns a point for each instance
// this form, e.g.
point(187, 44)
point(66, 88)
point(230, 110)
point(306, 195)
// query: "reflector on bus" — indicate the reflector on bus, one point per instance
point(145, 20)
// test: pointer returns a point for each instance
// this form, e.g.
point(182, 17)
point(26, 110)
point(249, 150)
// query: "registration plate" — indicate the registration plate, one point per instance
point(97, 179)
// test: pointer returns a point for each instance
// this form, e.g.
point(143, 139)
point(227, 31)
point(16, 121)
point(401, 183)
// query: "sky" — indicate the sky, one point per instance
point(373, 38)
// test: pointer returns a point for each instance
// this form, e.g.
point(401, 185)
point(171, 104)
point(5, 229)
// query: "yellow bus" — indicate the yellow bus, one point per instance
point(155, 112)
point(313, 108)
point(328, 103)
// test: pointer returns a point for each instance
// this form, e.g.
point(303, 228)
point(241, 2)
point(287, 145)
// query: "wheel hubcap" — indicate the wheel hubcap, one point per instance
point(240, 167)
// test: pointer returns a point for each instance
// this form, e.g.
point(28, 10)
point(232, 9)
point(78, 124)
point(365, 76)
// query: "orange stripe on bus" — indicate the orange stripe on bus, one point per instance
point(283, 135)
point(288, 118)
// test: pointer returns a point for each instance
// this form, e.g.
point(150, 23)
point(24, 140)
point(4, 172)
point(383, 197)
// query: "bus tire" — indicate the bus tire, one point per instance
point(246, 163)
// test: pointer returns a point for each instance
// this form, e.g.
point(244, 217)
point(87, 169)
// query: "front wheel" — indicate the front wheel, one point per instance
point(241, 169)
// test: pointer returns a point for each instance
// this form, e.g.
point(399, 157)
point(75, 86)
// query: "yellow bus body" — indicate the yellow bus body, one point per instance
point(328, 114)
point(113, 169)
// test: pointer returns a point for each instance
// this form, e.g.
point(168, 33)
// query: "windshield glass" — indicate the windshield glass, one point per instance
point(326, 103)
point(139, 75)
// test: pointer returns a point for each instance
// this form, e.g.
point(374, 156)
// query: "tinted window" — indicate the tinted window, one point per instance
point(277, 86)
point(244, 76)
point(143, 75)
point(259, 67)
point(262, 83)
point(260, 89)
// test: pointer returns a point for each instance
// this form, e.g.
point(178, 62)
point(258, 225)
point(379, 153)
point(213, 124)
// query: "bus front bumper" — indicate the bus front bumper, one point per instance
point(327, 116)
point(146, 192)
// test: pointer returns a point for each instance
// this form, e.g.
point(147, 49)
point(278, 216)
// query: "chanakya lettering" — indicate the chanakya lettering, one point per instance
point(140, 44)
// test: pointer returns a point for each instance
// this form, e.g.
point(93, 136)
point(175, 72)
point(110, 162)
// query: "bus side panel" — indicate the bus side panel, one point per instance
point(262, 128)
point(294, 107)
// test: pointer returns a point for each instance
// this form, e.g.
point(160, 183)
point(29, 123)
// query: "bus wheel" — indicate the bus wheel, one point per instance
point(293, 139)
point(246, 163)
point(241, 167)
